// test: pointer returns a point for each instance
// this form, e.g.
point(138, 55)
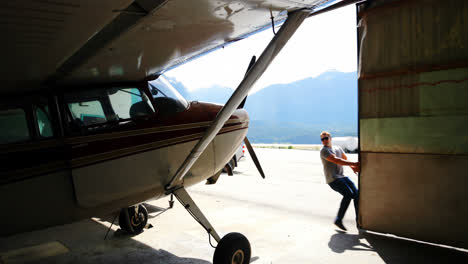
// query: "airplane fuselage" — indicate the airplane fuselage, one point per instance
point(78, 160)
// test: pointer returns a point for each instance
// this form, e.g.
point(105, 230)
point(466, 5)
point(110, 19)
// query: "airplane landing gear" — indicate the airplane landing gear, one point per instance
point(233, 248)
point(133, 219)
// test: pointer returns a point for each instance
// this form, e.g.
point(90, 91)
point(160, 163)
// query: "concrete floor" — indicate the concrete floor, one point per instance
point(287, 218)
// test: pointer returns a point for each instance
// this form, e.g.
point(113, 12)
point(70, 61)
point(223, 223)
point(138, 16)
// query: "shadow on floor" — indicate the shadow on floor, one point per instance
point(85, 243)
point(394, 250)
point(153, 212)
point(342, 241)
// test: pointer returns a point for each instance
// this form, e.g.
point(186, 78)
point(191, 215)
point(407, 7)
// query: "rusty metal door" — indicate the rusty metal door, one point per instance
point(413, 119)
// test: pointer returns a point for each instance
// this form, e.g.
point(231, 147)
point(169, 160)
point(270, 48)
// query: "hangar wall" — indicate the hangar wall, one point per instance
point(413, 118)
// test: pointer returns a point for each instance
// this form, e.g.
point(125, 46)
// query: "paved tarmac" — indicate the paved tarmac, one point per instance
point(288, 218)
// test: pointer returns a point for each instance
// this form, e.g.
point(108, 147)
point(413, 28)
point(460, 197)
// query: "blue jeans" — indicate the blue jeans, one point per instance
point(346, 188)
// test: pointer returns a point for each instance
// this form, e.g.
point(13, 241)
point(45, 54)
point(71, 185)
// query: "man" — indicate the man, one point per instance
point(333, 160)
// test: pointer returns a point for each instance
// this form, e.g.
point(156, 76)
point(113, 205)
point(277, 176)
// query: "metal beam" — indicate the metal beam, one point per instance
point(334, 6)
point(187, 202)
point(290, 26)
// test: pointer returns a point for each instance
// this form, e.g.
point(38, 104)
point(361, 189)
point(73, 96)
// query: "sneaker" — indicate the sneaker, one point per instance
point(340, 225)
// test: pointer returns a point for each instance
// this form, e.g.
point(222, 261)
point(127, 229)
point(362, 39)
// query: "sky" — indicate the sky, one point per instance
point(322, 43)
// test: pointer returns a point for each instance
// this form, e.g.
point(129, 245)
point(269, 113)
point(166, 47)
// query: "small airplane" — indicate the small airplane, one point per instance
point(90, 125)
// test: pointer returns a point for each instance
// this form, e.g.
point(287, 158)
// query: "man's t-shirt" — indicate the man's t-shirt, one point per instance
point(331, 170)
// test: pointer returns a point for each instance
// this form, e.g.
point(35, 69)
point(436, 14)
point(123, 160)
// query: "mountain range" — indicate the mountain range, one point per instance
point(296, 112)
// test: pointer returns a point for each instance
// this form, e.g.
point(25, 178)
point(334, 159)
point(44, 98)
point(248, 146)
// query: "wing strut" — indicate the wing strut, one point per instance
point(293, 21)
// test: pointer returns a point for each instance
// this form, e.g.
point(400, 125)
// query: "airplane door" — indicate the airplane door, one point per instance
point(112, 147)
point(413, 119)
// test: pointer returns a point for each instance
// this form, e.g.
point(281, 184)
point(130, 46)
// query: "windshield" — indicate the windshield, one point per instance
point(166, 98)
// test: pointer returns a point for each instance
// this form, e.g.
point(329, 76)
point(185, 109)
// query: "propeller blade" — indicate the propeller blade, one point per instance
point(251, 64)
point(254, 157)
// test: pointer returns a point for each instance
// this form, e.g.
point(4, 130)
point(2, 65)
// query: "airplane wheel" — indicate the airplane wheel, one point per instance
point(229, 168)
point(137, 222)
point(233, 248)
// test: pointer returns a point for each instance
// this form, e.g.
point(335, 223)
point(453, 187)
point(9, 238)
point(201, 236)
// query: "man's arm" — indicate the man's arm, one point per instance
point(355, 167)
point(342, 162)
point(343, 155)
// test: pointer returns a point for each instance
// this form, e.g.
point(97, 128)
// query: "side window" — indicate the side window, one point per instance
point(87, 113)
point(43, 121)
point(14, 126)
point(130, 103)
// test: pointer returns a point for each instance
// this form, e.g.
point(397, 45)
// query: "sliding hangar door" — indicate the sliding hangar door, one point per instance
point(413, 119)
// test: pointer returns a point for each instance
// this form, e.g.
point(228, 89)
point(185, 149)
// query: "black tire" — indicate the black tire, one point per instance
point(229, 167)
point(232, 165)
point(233, 248)
point(233, 162)
point(137, 223)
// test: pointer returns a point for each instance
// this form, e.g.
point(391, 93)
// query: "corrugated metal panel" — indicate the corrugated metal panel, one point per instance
point(416, 196)
point(388, 97)
point(433, 135)
point(435, 93)
point(412, 34)
point(448, 95)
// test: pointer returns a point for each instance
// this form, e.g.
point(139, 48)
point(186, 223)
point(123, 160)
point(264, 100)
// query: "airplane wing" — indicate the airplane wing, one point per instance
point(72, 42)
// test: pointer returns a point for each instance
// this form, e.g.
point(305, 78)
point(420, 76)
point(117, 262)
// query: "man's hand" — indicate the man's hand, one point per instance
point(356, 168)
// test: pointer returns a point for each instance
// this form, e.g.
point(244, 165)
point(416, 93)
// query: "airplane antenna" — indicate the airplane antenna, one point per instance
point(272, 22)
point(111, 225)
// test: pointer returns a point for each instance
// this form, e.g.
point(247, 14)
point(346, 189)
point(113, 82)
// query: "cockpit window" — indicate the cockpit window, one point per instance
point(107, 106)
point(166, 98)
point(129, 103)
point(87, 112)
point(44, 123)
